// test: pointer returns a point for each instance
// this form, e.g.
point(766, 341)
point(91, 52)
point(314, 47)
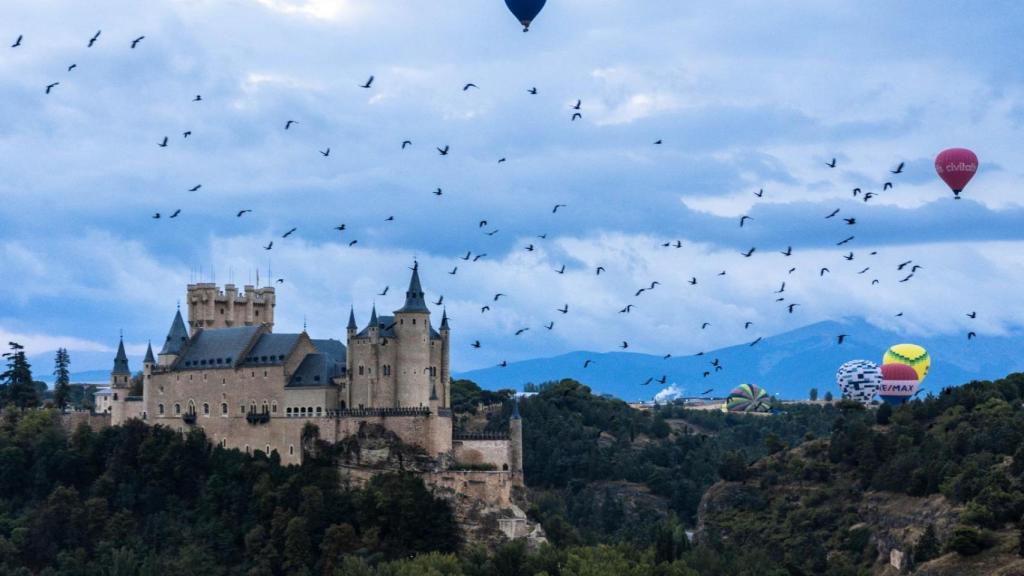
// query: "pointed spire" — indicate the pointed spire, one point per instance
point(374, 323)
point(515, 407)
point(444, 319)
point(176, 337)
point(149, 355)
point(414, 301)
point(352, 319)
point(121, 360)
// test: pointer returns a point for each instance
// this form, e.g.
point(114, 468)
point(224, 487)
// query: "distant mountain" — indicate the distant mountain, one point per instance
point(84, 377)
point(788, 364)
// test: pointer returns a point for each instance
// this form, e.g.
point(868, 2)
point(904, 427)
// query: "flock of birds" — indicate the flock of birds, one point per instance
point(907, 269)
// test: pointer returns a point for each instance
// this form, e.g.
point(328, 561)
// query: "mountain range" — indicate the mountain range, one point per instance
point(787, 364)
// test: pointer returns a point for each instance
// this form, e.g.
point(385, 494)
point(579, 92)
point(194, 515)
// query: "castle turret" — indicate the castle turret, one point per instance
point(373, 330)
point(352, 326)
point(209, 307)
point(515, 444)
point(120, 385)
point(445, 368)
point(148, 361)
point(177, 336)
point(415, 372)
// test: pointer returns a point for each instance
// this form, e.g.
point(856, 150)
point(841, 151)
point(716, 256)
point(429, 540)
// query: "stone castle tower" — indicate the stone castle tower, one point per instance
point(120, 384)
point(209, 307)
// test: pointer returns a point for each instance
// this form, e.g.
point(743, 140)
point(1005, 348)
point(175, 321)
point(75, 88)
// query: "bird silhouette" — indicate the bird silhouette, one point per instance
point(384, 292)
point(831, 164)
point(195, 188)
point(269, 246)
point(529, 248)
point(916, 267)
point(909, 276)
point(850, 221)
point(972, 315)
point(781, 289)
point(904, 265)
point(648, 381)
point(744, 219)
point(485, 309)
point(198, 98)
point(557, 206)
point(369, 82)
point(832, 214)
point(51, 86)
point(576, 116)
point(289, 123)
point(175, 214)
point(389, 219)
point(470, 85)
point(280, 280)
point(575, 106)
point(521, 330)
point(898, 170)
point(846, 241)
point(856, 191)
point(754, 343)
point(708, 391)
point(662, 380)
point(693, 281)
point(791, 307)
point(94, 38)
point(478, 256)
point(705, 325)
point(340, 227)
point(475, 344)
point(503, 364)
point(886, 186)
point(242, 212)
point(325, 153)
point(498, 295)
point(136, 41)
point(289, 233)
point(848, 257)
point(72, 67)
point(406, 143)
point(624, 345)
point(706, 373)
point(864, 270)
point(587, 363)
point(500, 160)
point(971, 335)
point(17, 42)
point(156, 215)
point(749, 253)
point(163, 143)
point(466, 257)
point(564, 309)
point(454, 271)
point(840, 338)
point(627, 309)
point(492, 232)
point(759, 193)
point(639, 292)
point(439, 301)
point(822, 272)
point(353, 243)
point(550, 325)
point(788, 251)
point(443, 151)
point(532, 90)
point(599, 270)
point(438, 192)
point(186, 133)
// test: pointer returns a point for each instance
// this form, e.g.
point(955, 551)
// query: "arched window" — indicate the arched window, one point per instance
point(265, 408)
point(177, 409)
point(191, 407)
point(318, 410)
point(268, 450)
point(206, 409)
point(160, 409)
point(252, 406)
point(223, 408)
point(273, 406)
point(360, 370)
point(291, 449)
point(302, 411)
point(246, 448)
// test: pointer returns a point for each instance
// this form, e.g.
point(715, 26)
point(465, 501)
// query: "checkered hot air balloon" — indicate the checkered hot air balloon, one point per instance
point(859, 380)
point(747, 398)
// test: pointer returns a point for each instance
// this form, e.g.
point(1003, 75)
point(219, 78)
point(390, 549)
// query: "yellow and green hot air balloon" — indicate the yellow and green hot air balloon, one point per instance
point(911, 355)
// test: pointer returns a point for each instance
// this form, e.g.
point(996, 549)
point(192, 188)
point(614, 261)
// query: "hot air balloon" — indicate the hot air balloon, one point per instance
point(525, 10)
point(747, 398)
point(956, 166)
point(910, 354)
point(899, 382)
point(859, 380)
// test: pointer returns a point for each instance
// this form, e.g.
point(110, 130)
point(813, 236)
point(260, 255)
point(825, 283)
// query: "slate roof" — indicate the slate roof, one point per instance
point(121, 361)
point(176, 337)
point(218, 348)
point(271, 349)
point(316, 370)
point(414, 301)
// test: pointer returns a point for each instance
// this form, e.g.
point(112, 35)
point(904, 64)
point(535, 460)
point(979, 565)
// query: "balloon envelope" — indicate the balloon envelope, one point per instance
point(747, 398)
point(859, 380)
point(525, 10)
point(956, 167)
point(910, 354)
point(899, 382)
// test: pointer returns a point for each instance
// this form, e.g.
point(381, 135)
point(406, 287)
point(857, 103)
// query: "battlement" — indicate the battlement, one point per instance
point(210, 307)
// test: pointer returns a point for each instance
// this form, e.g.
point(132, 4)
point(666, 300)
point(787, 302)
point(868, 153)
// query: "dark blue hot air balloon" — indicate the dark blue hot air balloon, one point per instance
point(525, 10)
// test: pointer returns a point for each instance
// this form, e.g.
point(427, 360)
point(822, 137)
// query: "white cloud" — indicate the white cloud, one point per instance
point(36, 343)
point(329, 10)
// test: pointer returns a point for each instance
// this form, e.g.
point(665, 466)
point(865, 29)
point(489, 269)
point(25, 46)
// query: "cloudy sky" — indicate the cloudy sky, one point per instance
point(744, 95)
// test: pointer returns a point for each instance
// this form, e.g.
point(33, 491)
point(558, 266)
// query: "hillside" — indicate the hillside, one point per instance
point(788, 364)
point(939, 482)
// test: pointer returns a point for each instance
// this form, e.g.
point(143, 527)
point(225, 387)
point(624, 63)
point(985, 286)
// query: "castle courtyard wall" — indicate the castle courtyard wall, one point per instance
point(494, 452)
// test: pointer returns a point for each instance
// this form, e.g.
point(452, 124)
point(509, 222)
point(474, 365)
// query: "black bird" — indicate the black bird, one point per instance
point(900, 315)
point(840, 243)
point(653, 284)
point(340, 227)
point(289, 233)
point(529, 248)
point(51, 86)
point(759, 193)
point(443, 151)
point(156, 216)
point(915, 267)
point(163, 143)
point(599, 270)
point(439, 300)
point(788, 251)
point(749, 253)
point(576, 107)
point(542, 236)
point(576, 116)
point(639, 292)
point(353, 243)
point(911, 275)
point(198, 98)
point(850, 221)
point(470, 85)
point(136, 41)
point(706, 373)
point(242, 212)
point(269, 246)
point(791, 306)
point(822, 272)
point(17, 42)
point(195, 188)
point(72, 67)
point(856, 191)
point(564, 309)
point(624, 345)
point(657, 141)
point(840, 338)
point(831, 164)
point(503, 364)
point(756, 341)
point(705, 325)
point(627, 309)
point(744, 219)
point(693, 281)
point(781, 289)
point(492, 232)
point(864, 270)
point(369, 83)
point(498, 295)
point(289, 123)
point(186, 133)
point(587, 363)
point(500, 160)
point(848, 257)
point(886, 186)
point(971, 335)
point(94, 38)
point(478, 256)
point(280, 280)
point(869, 196)
point(832, 214)
point(176, 212)
point(904, 265)
point(406, 143)
point(521, 330)
point(666, 356)
point(550, 325)
point(557, 206)
point(326, 153)
point(454, 271)
point(475, 344)
point(533, 90)
point(561, 270)
point(389, 219)
point(438, 192)
point(466, 257)
point(898, 170)
point(791, 270)
point(649, 380)
point(482, 224)
point(708, 391)
point(662, 380)
point(385, 292)
point(972, 315)
point(875, 281)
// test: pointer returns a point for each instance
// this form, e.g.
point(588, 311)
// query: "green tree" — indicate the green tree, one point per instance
point(17, 385)
point(814, 394)
point(62, 379)
point(298, 548)
point(883, 414)
point(828, 396)
point(137, 380)
point(928, 545)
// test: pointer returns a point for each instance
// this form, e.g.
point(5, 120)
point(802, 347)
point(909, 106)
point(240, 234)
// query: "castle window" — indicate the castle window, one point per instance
point(302, 411)
point(221, 311)
point(310, 411)
point(265, 408)
point(257, 313)
point(160, 409)
point(288, 412)
point(273, 406)
point(227, 360)
point(223, 380)
point(177, 409)
point(246, 448)
point(223, 408)
point(360, 370)
point(241, 408)
point(291, 449)
point(263, 358)
point(224, 442)
point(252, 406)
point(316, 378)
point(268, 449)
point(402, 321)
point(264, 373)
point(191, 407)
point(318, 410)
point(206, 409)
point(115, 395)
point(414, 321)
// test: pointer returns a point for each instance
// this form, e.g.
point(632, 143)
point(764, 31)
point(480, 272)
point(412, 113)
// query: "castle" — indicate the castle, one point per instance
point(249, 388)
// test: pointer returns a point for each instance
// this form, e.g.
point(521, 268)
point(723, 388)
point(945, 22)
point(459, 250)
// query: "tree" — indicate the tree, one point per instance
point(928, 545)
point(298, 548)
point(814, 394)
point(828, 396)
point(884, 414)
point(136, 384)
point(62, 379)
point(17, 385)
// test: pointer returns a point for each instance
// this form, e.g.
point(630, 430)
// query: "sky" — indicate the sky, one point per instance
point(744, 96)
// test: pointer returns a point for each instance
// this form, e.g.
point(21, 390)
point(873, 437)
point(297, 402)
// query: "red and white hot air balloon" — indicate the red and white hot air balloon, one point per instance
point(956, 167)
point(899, 382)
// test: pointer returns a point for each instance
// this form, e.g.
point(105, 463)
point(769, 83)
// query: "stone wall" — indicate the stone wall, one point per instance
point(72, 420)
point(494, 452)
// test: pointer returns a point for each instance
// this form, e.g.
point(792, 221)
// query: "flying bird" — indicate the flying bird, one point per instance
point(94, 38)
point(503, 364)
point(831, 164)
point(470, 85)
point(521, 330)
point(576, 116)
point(972, 315)
point(840, 243)
point(17, 42)
point(781, 289)
point(156, 215)
point(564, 309)
point(242, 212)
point(561, 270)
point(832, 214)
point(289, 123)
point(454, 271)
point(840, 338)
point(624, 345)
point(529, 248)
point(599, 270)
point(475, 344)
point(353, 243)
point(195, 188)
point(136, 41)
point(705, 325)
point(756, 341)
point(627, 309)
point(51, 86)
point(72, 67)
point(198, 98)
point(649, 380)
point(269, 246)
point(500, 160)
point(904, 265)
point(898, 170)
point(909, 276)
point(443, 151)
point(369, 83)
point(850, 221)
point(822, 272)
point(340, 227)
point(759, 193)
point(788, 251)
point(971, 335)
point(289, 233)
point(533, 90)
point(791, 307)
point(550, 325)
point(478, 256)
point(498, 295)
point(744, 219)
point(176, 212)
point(749, 253)
point(186, 133)
point(886, 186)
point(163, 143)
point(557, 206)
point(848, 257)
point(406, 143)
point(384, 292)
point(693, 281)
point(575, 107)
point(437, 192)
point(485, 309)
point(708, 391)
point(325, 153)
point(587, 363)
